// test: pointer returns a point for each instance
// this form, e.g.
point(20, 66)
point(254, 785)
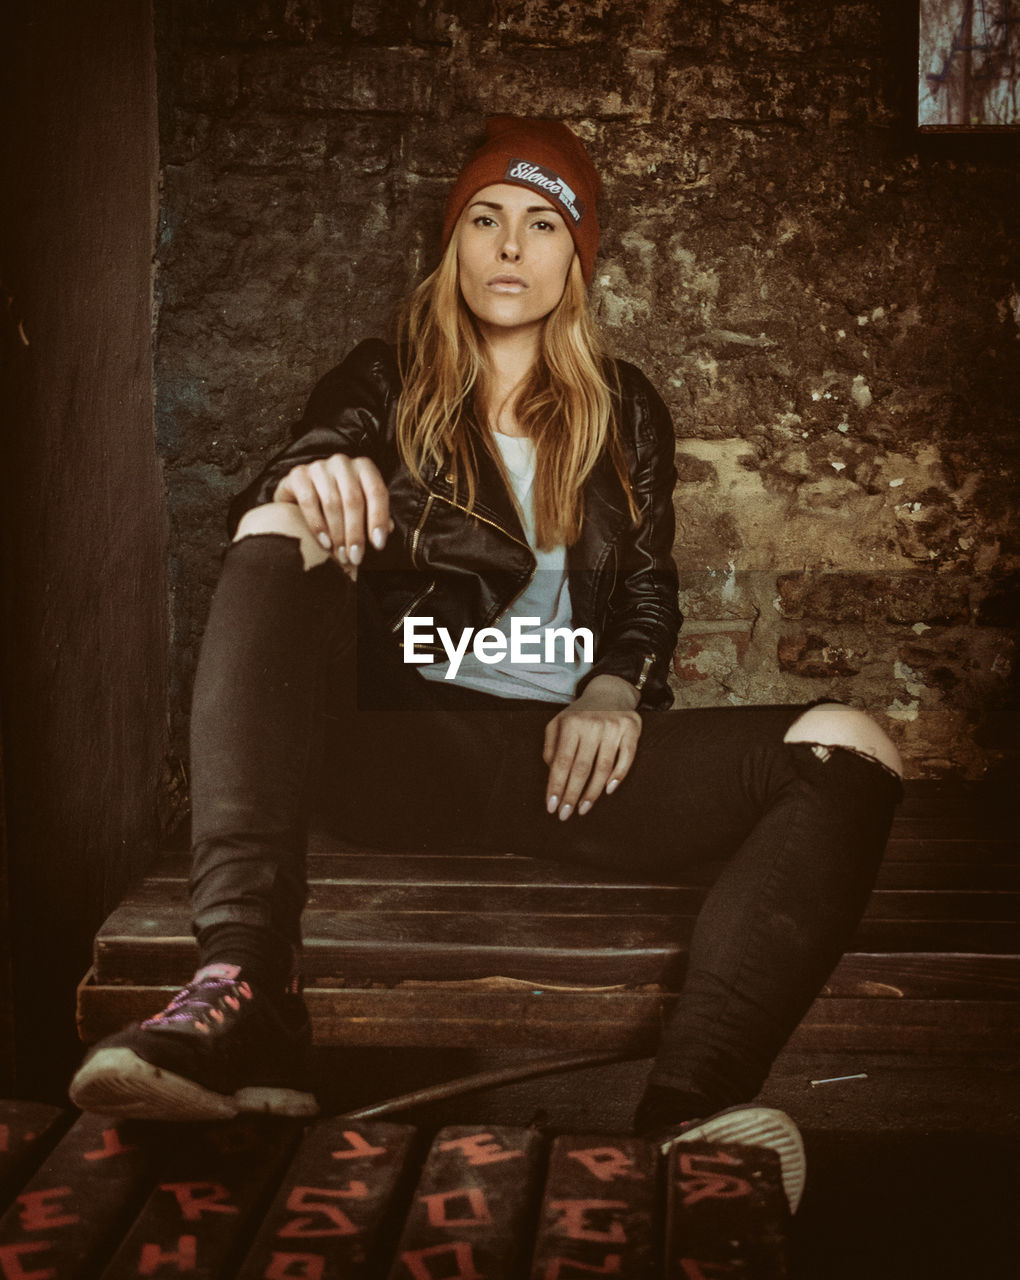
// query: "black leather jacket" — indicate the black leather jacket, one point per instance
point(467, 570)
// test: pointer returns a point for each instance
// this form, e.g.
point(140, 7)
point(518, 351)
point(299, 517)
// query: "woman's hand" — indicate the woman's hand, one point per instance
point(345, 503)
point(590, 746)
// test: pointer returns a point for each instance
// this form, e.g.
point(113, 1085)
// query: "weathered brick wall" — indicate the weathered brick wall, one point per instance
point(829, 304)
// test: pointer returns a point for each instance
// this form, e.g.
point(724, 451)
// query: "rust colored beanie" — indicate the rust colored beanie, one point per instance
point(541, 154)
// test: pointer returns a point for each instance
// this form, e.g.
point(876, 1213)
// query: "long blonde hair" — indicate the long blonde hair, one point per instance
point(565, 404)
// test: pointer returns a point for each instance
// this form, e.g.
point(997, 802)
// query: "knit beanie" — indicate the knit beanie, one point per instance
point(544, 155)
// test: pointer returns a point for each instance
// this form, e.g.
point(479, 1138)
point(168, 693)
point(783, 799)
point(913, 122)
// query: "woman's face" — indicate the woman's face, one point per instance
point(513, 254)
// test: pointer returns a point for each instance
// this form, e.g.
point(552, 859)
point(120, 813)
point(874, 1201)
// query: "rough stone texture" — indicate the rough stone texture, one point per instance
point(829, 303)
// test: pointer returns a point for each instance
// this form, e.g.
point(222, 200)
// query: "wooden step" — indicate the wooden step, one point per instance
point(479, 1015)
point(444, 948)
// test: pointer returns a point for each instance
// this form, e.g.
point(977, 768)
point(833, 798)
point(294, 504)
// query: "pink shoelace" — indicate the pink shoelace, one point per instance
point(202, 1001)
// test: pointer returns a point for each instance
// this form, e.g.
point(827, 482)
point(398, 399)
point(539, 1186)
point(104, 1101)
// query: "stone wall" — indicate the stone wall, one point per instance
point(829, 304)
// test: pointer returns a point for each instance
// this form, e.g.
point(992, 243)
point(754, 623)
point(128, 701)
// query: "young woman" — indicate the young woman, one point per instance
point(493, 481)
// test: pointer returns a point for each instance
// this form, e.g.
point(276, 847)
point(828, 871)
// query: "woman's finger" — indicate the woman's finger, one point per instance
point(377, 501)
point(624, 756)
point(352, 500)
point(324, 477)
point(303, 491)
point(559, 756)
point(602, 770)
point(582, 758)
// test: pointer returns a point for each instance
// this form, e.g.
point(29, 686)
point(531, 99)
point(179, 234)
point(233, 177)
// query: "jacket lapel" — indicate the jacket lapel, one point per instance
point(605, 509)
point(493, 501)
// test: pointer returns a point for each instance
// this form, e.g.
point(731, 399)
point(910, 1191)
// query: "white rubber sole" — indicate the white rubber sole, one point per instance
point(116, 1082)
point(756, 1127)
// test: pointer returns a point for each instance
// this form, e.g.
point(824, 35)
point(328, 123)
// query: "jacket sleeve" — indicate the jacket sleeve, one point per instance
point(346, 413)
point(643, 617)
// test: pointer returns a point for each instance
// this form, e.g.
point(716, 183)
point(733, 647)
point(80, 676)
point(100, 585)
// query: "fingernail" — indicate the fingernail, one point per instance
point(357, 553)
point(379, 538)
point(341, 554)
point(324, 542)
point(551, 803)
point(565, 812)
point(611, 785)
point(584, 806)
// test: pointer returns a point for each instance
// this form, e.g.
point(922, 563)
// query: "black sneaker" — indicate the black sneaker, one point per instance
point(217, 1049)
point(748, 1126)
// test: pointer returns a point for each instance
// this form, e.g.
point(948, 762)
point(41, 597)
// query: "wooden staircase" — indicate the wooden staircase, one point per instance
point(453, 950)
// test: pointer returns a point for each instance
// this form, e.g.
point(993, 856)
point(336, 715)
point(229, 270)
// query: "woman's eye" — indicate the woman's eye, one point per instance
point(483, 220)
point(543, 226)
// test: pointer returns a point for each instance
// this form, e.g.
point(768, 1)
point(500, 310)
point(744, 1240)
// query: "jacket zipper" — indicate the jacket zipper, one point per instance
point(513, 600)
point(645, 668)
point(492, 524)
point(474, 515)
point(412, 606)
point(417, 532)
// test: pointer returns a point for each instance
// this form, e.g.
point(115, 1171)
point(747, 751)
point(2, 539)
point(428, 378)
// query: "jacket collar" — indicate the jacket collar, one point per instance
point(493, 501)
point(605, 512)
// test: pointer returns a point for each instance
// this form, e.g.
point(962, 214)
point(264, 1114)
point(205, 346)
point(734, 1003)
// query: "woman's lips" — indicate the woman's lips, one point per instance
point(507, 284)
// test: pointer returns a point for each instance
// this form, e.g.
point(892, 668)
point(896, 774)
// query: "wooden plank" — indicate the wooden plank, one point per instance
point(423, 1017)
point(377, 867)
point(332, 1216)
point(471, 1208)
point(598, 1209)
point(69, 1217)
point(981, 800)
point(924, 1026)
point(212, 1182)
point(328, 861)
point(954, 905)
point(726, 1214)
point(950, 875)
point(156, 946)
point(981, 937)
point(389, 946)
point(416, 954)
point(911, 975)
point(589, 954)
point(930, 826)
point(610, 1021)
point(27, 1132)
point(631, 1020)
point(151, 901)
point(150, 909)
point(960, 864)
point(945, 847)
point(923, 975)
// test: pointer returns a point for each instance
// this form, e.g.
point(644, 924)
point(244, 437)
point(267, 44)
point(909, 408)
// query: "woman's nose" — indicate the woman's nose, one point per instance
point(510, 250)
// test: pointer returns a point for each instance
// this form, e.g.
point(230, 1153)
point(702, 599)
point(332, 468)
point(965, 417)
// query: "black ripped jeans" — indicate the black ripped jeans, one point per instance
point(277, 733)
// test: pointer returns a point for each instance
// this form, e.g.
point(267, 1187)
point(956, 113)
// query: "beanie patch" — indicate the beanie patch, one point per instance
point(545, 156)
point(545, 180)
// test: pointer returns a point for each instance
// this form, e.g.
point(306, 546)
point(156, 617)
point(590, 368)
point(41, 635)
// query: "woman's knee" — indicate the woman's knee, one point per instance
point(832, 724)
point(283, 518)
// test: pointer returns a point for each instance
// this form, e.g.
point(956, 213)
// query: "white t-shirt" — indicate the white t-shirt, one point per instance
point(546, 598)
